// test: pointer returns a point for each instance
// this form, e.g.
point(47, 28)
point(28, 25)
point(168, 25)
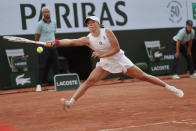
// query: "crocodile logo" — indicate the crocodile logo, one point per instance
point(20, 80)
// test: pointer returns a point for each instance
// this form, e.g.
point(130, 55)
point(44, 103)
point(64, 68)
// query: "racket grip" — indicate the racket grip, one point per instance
point(40, 43)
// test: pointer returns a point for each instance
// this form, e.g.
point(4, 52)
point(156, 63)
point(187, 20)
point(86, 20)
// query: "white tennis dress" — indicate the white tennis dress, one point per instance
point(116, 63)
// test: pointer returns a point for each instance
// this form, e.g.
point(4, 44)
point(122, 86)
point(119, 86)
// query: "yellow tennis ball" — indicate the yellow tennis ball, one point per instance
point(40, 49)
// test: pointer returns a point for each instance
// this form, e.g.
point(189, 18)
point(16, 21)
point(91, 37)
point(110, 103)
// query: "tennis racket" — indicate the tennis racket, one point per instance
point(22, 40)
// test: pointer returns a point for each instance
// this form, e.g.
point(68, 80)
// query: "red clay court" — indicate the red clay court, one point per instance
point(112, 105)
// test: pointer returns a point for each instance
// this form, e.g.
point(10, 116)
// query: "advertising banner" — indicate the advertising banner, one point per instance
point(22, 79)
point(191, 7)
point(160, 68)
point(21, 17)
point(66, 81)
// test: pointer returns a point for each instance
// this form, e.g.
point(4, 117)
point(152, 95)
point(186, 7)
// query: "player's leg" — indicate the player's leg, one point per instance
point(43, 62)
point(175, 62)
point(54, 59)
point(139, 74)
point(189, 61)
point(97, 74)
point(135, 72)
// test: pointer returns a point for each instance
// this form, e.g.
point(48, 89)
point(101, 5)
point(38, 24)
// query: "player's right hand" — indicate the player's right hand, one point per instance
point(50, 43)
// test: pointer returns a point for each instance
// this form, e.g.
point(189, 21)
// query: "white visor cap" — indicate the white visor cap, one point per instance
point(95, 18)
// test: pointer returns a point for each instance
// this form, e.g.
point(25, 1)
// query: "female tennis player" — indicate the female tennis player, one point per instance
point(112, 59)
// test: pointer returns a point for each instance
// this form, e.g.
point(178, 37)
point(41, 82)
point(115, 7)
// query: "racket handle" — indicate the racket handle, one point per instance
point(40, 43)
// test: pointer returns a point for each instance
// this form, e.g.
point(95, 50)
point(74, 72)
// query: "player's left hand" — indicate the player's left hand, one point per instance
point(95, 54)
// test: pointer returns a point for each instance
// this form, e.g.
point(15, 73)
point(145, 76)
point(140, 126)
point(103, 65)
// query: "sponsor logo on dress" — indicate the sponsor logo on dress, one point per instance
point(100, 43)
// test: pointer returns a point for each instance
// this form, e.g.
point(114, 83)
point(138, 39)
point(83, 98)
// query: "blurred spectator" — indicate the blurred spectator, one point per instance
point(45, 31)
point(182, 43)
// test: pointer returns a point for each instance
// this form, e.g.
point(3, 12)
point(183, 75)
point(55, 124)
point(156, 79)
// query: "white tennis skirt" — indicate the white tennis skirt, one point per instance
point(116, 63)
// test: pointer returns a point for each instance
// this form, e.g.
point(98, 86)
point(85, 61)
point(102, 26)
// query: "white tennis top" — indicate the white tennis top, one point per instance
point(116, 63)
point(101, 43)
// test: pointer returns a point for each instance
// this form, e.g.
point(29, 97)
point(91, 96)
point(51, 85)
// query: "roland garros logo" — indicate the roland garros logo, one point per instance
point(174, 8)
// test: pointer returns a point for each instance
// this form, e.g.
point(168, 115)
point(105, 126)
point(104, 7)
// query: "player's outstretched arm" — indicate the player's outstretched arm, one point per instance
point(69, 42)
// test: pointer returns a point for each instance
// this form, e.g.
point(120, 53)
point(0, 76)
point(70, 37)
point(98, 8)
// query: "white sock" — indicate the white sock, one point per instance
point(71, 101)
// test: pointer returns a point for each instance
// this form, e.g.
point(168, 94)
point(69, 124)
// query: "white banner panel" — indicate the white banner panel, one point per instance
point(21, 17)
point(191, 6)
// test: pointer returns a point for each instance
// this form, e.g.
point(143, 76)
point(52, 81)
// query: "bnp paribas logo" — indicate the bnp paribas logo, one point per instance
point(175, 8)
point(194, 10)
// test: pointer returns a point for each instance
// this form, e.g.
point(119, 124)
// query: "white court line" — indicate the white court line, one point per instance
point(149, 124)
point(187, 120)
point(185, 123)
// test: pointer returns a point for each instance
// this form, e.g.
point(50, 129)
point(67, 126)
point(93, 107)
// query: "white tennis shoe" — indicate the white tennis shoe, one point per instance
point(193, 75)
point(66, 104)
point(38, 88)
point(175, 77)
point(179, 93)
point(176, 91)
